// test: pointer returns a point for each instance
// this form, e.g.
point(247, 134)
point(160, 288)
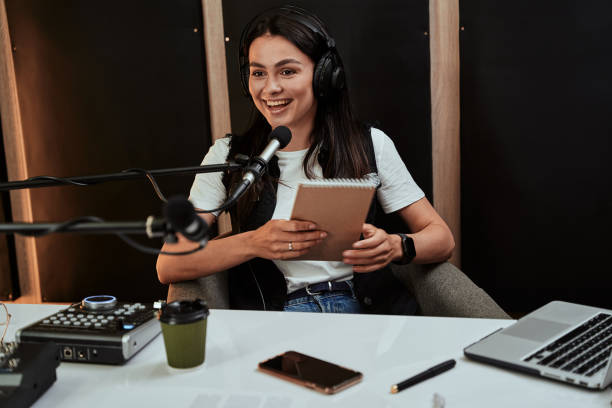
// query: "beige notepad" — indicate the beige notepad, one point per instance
point(337, 206)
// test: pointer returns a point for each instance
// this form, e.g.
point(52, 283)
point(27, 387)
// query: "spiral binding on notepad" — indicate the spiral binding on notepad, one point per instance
point(369, 181)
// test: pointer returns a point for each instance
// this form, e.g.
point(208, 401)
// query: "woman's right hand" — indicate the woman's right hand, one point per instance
point(285, 239)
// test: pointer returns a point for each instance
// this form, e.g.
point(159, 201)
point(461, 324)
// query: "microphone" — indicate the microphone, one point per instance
point(279, 139)
point(182, 217)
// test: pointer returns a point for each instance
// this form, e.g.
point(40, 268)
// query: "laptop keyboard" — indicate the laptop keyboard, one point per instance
point(585, 350)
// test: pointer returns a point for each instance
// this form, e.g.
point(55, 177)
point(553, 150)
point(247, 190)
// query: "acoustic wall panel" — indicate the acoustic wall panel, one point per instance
point(536, 91)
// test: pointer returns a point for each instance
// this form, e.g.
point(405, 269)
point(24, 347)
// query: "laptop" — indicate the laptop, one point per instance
point(562, 341)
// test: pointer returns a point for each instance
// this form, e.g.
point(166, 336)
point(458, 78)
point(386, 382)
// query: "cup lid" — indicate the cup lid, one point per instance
point(184, 311)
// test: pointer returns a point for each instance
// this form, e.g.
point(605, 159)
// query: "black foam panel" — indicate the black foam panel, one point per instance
point(536, 92)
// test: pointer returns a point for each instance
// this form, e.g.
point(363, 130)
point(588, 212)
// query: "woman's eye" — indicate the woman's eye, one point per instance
point(257, 73)
point(287, 72)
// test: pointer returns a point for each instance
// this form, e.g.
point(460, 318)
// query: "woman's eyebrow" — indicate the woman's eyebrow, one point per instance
point(278, 64)
point(287, 61)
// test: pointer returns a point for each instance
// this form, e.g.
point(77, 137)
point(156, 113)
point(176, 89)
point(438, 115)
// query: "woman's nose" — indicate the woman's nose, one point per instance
point(272, 85)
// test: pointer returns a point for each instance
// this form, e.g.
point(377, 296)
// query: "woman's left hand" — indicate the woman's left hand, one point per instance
point(373, 252)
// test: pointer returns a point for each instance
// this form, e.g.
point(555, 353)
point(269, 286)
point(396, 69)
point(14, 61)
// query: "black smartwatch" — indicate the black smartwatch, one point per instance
point(408, 251)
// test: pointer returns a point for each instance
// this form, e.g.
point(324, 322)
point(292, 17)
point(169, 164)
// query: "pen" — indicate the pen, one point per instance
point(431, 372)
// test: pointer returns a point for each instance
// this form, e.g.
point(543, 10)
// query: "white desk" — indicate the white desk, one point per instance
point(386, 349)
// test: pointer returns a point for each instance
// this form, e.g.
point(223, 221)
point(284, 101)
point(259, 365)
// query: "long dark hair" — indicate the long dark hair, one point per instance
point(337, 137)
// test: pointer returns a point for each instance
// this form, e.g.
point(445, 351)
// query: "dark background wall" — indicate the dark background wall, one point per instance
point(536, 92)
point(105, 86)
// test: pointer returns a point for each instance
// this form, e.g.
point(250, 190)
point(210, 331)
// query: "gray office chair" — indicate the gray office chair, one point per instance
point(440, 290)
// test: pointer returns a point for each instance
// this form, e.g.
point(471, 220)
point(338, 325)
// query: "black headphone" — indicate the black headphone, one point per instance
point(328, 75)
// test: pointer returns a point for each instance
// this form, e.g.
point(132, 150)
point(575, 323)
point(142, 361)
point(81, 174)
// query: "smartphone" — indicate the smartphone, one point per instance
point(310, 372)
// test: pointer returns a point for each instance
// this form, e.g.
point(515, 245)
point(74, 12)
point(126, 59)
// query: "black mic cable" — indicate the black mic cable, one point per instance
point(279, 139)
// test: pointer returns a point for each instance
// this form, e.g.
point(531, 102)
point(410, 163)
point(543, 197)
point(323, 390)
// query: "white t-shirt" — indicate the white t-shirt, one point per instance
point(397, 190)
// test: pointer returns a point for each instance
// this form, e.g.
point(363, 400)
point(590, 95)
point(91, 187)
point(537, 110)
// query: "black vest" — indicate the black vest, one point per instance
point(259, 285)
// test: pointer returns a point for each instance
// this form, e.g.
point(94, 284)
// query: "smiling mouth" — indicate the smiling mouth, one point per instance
point(277, 104)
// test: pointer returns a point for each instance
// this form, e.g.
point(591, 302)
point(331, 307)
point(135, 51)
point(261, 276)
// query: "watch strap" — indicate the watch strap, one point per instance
point(408, 250)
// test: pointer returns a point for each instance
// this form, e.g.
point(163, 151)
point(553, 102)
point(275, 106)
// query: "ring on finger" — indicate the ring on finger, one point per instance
point(290, 246)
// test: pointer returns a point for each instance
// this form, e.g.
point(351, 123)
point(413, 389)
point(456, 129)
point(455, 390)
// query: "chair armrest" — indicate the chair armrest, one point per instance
point(213, 289)
point(443, 290)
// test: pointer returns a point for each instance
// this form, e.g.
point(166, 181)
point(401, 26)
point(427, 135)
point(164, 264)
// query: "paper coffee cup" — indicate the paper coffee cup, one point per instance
point(184, 330)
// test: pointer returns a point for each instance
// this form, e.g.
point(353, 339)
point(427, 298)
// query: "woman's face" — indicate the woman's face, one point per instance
point(280, 84)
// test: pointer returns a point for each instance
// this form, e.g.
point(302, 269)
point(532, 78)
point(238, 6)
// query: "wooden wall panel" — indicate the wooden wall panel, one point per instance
point(216, 71)
point(446, 154)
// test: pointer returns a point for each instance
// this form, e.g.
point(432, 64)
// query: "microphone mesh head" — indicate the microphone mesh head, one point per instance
point(282, 134)
point(179, 212)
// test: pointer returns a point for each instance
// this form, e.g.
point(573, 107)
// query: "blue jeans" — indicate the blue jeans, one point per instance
point(326, 302)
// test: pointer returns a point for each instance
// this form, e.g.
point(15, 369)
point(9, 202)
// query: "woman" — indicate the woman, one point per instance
point(294, 76)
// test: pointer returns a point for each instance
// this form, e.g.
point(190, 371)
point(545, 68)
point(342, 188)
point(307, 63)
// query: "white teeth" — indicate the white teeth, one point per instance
point(277, 103)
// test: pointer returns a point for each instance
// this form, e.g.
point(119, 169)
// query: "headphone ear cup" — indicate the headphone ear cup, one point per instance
point(322, 76)
point(328, 76)
point(337, 78)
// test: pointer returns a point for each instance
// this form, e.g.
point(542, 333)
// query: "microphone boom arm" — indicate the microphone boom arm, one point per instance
point(49, 181)
point(153, 227)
